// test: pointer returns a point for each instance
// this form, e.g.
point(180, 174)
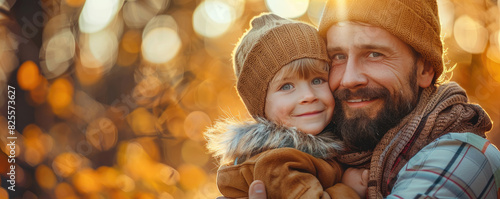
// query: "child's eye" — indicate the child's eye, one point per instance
point(286, 87)
point(317, 81)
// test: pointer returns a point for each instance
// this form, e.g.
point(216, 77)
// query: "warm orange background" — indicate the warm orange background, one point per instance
point(112, 96)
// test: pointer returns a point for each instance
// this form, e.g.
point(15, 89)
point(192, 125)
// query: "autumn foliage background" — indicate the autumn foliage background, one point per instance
point(112, 96)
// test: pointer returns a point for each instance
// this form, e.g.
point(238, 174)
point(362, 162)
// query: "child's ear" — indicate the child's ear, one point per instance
point(364, 177)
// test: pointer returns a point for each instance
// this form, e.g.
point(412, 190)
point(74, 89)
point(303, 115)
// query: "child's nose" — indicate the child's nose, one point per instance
point(308, 95)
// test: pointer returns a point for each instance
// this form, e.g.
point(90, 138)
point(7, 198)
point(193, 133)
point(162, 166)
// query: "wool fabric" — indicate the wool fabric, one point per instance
point(271, 43)
point(415, 22)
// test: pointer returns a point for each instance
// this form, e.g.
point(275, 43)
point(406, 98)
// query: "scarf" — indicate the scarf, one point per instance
point(439, 111)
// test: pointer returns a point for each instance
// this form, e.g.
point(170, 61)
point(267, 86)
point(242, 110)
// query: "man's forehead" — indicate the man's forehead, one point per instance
point(358, 34)
point(356, 25)
point(348, 30)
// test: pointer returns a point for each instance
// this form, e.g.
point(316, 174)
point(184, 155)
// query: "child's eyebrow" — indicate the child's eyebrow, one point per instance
point(281, 79)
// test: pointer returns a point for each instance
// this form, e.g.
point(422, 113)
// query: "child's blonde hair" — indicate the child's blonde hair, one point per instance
point(304, 68)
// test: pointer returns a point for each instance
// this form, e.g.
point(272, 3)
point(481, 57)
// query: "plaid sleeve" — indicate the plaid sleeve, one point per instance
point(454, 166)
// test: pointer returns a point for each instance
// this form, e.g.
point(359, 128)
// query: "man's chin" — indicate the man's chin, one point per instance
point(369, 112)
point(359, 134)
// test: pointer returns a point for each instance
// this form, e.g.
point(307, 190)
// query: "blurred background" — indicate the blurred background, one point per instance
point(112, 96)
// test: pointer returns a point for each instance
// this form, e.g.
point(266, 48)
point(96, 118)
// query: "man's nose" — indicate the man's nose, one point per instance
point(354, 75)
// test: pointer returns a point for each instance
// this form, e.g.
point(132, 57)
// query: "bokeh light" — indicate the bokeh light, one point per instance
point(137, 13)
point(58, 53)
point(60, 93)
point(142, 121)
point(102, 134)
point(28, 75)
point(64, 190)
point(161, 45)
point(65, 164)
point(194, 153)
point(37, 144)
point(192, 176)
point(45, 177)
point(470, 35)
point(212, 18)
point(87, 181)
point(113, 97)
point(39, 94)
point(446, 11)
point(288, 8)
point(3, 193)
point(75, 3)
point(195, 124)
point(96, 15)
point(99, 50)
point(314, 11)
point(131, 41)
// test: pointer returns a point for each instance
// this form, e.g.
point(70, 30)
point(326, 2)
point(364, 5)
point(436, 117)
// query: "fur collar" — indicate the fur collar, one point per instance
point(229, 140)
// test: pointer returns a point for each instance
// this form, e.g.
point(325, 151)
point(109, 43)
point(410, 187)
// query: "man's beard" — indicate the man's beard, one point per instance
point(360, 132)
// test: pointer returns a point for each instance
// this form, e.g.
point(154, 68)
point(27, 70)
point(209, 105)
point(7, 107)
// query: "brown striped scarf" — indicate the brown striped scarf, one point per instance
point(439, 111)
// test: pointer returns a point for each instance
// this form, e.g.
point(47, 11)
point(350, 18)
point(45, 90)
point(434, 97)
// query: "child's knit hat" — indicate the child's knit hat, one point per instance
point(271, 43)
point(415, 22)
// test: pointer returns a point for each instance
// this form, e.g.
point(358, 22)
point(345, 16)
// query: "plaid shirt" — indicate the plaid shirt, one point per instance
point(457, 165)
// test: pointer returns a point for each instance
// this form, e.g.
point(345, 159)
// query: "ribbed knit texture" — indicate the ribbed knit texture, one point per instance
point(415, 22)
point(271, 43)
point(438, 112)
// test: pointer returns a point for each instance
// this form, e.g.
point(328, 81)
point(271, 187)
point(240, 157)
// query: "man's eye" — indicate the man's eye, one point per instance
point(317, 81)
point(374, 54)
point(286, 87)
point(339, 56)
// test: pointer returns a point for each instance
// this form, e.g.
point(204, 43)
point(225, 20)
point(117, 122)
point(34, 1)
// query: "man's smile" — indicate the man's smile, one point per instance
point(359, 103)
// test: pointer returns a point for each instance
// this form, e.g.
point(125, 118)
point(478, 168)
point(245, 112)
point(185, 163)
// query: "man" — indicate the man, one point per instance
point(418, 137)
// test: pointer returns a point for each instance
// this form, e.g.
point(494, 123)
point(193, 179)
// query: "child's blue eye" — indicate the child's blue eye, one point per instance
point(317, 81)
point(286, 87)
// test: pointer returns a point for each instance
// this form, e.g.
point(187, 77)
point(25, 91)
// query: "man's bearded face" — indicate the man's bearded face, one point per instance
point(362, 132)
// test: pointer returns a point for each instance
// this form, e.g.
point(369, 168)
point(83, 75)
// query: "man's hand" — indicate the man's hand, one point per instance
point(357, 179)
point(257, 190)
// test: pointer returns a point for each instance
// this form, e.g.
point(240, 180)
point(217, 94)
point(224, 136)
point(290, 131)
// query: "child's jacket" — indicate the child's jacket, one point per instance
point(290, 163)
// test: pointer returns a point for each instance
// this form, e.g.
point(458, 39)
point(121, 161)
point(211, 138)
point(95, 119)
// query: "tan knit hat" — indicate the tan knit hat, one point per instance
point(271, 43)
point(415, 22)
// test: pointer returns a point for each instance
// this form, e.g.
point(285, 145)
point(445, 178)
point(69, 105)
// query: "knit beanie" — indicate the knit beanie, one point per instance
point(271, 43)
point(415, 22)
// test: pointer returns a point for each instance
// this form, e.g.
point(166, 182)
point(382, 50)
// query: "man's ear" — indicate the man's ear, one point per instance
point(425, 73)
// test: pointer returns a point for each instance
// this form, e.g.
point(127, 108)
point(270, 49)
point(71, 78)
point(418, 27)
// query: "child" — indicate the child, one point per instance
point(282, 77)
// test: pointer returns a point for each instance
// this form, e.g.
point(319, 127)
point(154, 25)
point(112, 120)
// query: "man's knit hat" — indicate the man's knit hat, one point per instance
point(415, 22)
point(271, 43)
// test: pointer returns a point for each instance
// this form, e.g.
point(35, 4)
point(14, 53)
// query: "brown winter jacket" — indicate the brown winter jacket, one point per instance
point(290, 163)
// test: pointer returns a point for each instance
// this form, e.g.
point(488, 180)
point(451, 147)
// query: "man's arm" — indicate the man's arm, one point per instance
point(448, 168)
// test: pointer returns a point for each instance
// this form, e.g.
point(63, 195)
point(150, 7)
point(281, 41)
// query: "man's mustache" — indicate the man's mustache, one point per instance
point(366, 92)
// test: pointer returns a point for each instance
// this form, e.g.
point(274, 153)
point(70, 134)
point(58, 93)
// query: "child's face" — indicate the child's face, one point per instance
point(304, 103)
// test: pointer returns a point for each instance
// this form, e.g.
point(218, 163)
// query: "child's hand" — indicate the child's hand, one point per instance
point(357, 179)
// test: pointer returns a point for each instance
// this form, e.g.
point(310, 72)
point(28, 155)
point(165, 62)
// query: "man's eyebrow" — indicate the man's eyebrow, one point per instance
point(376, 47)
point(334, 49)
point(361, 46)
